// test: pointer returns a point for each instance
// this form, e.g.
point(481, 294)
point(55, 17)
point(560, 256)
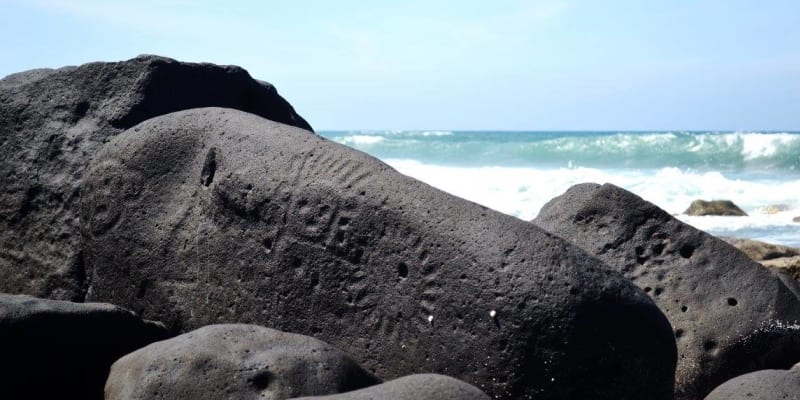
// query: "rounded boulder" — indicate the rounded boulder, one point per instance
point(413, 387)
point(234, 361)
point(214, 215)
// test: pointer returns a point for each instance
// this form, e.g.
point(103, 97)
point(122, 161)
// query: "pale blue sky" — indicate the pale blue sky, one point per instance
point(505, 65)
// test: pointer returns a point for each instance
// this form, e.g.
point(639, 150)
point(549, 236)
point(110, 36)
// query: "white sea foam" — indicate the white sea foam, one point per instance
point(360, 140)
point(522, 191)
point(436, 133)
point(760, 145)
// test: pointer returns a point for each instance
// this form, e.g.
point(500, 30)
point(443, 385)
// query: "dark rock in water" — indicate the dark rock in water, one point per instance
point(52, 122)
point(776, 257)
point(791, 265)
point(53, 349)
point(760, 385)
point(730, 314)
point(213, 215)
point(413, 387)
point(761, 251)
point(235, 361)
point(796, 219)
point(714, 207)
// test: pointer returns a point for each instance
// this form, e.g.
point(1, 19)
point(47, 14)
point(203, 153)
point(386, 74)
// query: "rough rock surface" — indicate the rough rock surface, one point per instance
point(768, 384)
point(52, 122)
point(413, 387)
point(213, 215)
point(53, 349)
point(714, 207)
point(235, 361)
point(730, 314)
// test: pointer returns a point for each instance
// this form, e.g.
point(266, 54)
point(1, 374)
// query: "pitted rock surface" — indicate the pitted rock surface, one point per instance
point(730, 315)
point(53, 349)
point(413, 387)
point(52, 122)
point(214, 215)
point(768, 384)
point(235, 361)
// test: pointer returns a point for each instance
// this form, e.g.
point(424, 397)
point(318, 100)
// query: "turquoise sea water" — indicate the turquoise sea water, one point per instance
point(517, 172)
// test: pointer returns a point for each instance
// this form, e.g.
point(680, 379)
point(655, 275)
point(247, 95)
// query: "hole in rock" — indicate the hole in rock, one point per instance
point(209, 168)
point(732, 301)
point(81, 109)
point(402, 270)
point(678, 333)
point(709, 345)
point(647, 289)
point(684, 308)
point(262, 379)
point(686, 251)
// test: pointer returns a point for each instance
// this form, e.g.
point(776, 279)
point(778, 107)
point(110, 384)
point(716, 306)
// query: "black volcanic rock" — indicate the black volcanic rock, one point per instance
point(213, 215)
point(714, 207)
point(52, 122)
point(53, 349)
point(768, 384)
point(413, 387)
point(730, 315)
point(234, 361)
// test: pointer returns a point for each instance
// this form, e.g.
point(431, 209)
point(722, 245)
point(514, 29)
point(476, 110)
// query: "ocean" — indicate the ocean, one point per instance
point(518, 172)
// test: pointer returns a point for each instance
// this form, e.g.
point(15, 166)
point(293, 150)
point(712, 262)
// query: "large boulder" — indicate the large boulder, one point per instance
point(213, 215)
point(768, 384)
point(52, 122)
point(235, 361)
point(413, 387)
point(730, 315)
point(53, 349)
point(714, 207)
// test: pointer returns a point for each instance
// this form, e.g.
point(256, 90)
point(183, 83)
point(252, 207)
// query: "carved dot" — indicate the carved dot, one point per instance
point(647, 289)
point(658, 291)
point(686, 251)
point(402, 270)
point(684, 308)
point(710, 345)
point(678, 333)
point(262, 380)
point(732, 301)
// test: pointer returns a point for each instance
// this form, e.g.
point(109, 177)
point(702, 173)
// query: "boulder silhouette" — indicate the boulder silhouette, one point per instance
point(52, 122)
point(213, 215)
point(730, 315)
point(58, 349)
